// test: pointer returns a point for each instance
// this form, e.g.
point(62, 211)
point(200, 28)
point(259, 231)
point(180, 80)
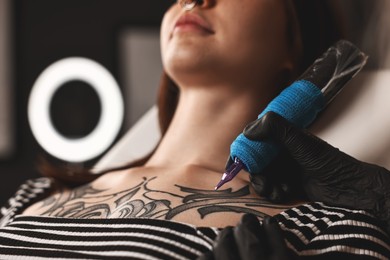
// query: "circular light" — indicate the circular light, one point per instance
point(111, 118)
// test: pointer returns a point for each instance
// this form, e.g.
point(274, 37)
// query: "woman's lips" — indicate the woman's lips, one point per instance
point(191, 22)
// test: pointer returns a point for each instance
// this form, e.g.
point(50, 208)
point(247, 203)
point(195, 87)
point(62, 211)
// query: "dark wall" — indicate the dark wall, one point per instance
point(45, 31)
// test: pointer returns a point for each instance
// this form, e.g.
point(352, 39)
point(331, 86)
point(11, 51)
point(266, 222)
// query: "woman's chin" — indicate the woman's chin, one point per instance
point(186, 64)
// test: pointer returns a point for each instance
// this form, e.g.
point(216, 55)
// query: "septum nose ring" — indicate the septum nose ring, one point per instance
point(188, 5)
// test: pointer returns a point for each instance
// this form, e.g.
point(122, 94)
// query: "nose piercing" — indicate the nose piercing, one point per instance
point(188, 5)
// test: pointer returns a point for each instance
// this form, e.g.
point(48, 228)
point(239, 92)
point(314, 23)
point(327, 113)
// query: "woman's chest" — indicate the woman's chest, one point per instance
point(157, 197)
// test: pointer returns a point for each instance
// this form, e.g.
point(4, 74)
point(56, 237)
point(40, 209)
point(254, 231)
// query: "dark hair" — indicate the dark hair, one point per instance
point(313, 24)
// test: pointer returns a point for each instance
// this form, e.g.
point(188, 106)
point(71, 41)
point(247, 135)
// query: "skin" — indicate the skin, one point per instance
point(226, 75)
point(149, 192)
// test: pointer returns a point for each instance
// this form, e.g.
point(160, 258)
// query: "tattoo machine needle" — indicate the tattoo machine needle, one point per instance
point(299, 103)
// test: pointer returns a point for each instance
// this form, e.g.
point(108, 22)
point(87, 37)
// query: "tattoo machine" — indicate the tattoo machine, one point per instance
point(299, 103)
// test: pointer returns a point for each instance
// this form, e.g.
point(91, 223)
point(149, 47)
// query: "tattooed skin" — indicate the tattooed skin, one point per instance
point(78, 203)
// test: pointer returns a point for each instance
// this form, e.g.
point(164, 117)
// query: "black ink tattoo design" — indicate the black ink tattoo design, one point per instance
point(206, 202)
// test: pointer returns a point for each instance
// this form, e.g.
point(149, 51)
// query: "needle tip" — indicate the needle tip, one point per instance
point(230, 173)
point(219, 185)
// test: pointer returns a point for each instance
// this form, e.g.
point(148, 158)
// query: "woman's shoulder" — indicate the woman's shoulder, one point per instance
point(27, 193)
point(322, 230)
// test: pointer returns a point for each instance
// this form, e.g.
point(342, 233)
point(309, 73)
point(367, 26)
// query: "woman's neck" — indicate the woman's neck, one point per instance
point(206, 122)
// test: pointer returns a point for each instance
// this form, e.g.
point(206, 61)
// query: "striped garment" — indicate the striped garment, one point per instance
point(103, 238)
point(314, 231)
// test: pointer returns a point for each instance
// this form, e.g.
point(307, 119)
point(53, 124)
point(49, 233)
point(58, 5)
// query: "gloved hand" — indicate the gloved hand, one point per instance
point(279, 181)
point(326, 174)
point(250, 240)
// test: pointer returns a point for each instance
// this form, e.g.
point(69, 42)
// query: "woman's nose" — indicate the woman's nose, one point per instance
point(191, 4)
point(206, 3)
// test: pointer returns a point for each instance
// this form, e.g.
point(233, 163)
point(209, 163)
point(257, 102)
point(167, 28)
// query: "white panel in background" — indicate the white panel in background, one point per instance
point(357, 121)
point(6, 114)
point(141, 69)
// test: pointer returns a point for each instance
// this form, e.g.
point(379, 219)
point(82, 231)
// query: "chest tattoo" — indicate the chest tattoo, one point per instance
point(142, 201)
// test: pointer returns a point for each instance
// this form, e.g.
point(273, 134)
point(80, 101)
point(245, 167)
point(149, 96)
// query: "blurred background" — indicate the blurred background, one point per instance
point(121, 35)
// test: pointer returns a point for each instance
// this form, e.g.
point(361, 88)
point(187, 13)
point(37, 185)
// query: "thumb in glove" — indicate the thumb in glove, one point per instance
point(250, 240)
point(327, 174)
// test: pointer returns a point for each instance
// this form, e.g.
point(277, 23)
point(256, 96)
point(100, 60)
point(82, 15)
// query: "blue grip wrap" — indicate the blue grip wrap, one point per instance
point(299, 103)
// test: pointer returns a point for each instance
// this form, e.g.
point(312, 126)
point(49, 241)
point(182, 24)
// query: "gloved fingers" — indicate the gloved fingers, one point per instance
point(279, 181)
point(261, 184)
point(278, 194)
point(274, 127)
point(276, 241)
point(262, 128)
point(265, 187)
point(251, 238)
point(308, 151)
point(207, 256)
point(225, 246)
point(329, 175)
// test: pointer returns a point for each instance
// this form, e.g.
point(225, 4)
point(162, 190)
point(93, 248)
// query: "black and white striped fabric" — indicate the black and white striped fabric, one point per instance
point(60, 238)
point(318, 231)
point(28, 193)
point(314, 231)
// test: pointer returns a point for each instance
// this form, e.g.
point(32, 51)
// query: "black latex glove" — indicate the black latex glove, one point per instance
point(250, 240)
point(327, 174)
point(279, 181)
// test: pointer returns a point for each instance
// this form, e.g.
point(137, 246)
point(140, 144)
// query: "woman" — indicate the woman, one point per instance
point(224, 61)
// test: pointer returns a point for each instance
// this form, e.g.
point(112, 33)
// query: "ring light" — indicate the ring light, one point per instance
point(111, 118)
